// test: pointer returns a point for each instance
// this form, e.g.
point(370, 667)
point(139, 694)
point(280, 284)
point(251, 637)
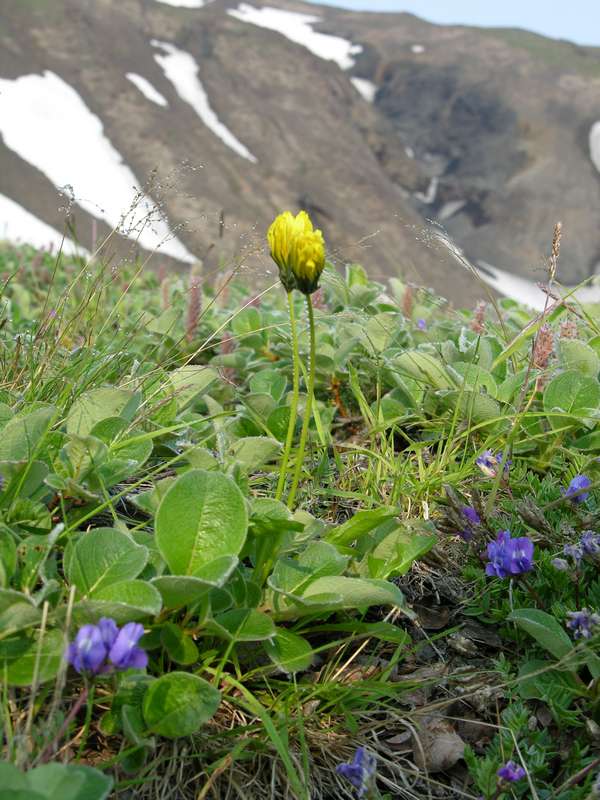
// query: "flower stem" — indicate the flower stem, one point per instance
point(49, 749)
point(308, 408)
point(88, 720)
point(294, 405)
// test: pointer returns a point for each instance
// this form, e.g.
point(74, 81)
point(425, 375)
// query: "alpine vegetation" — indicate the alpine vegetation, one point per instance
point(325, 538)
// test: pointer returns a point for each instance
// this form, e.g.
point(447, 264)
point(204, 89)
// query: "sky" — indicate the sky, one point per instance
point(577, 20)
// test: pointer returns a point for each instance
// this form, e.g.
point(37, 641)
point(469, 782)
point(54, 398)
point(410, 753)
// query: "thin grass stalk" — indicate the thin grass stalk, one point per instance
point(308, 408)
point(295, 397)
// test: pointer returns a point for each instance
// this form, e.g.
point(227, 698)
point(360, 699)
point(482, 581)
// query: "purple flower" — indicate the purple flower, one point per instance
point(583, 623)
point(590, 543)
point(509, 556)
point(511, 772)
point(578, 483)
point(574, 551)
point(560, 564)
point(109, 631)
point(360, 771)
point(488, 461)
point(124, 653)
point(103, 647)
point(472, 518)
point(421, 324)
point(472, 515)
point(88, 651)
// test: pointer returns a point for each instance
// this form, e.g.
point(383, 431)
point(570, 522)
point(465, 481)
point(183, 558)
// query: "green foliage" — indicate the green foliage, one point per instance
point(139, 470)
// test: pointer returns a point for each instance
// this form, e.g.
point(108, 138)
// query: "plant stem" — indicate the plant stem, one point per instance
point(294, 405)
point(308, 408)
point(49, 750)
point(86, 726)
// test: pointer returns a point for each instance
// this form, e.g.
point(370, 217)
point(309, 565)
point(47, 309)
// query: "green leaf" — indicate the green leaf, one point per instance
point(544, 628)
point(289, 652)
point(578, 356)
point(269, 381)
point(361, 523)
point(178, 704)
point(201, 518)
point(191, 381)
point(254, 451)
point(244, 625)
point(104, 556)
point(537, 680)
point(149, 501)
point(128, 601)
point(11, 778)
point(472, 376)
point(22, 435)
point(573, 394)
point(182, 590)
point(424, 368)
point(473, 406)
point(97, 405)
point(397, 552)
point(21, 670)
point(180, 648)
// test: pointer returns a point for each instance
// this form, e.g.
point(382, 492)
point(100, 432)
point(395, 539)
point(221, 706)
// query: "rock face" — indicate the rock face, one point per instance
point(377, 124)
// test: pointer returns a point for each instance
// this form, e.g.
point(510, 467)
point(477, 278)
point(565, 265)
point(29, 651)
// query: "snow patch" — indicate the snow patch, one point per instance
point(46, 122)
point(19, 226)
point(297, 28)
point(417, 48)
point(365, 88)
point(185, 3)
point(429, 196)
point(595, 144)
point(514, 286)
point(409, 152)
point(181, 69)
point(527, 292)
point(147, 89)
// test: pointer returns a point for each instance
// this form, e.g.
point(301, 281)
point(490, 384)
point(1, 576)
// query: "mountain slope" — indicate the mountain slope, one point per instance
point(243, 111)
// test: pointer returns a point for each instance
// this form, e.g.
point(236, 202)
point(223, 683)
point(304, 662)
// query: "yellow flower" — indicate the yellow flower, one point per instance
point(298, 250)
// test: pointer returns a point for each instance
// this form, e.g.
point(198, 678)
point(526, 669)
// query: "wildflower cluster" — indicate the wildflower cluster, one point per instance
point(104, 647)
point(508, 556)
point(588, 547)
point(584, 623)
point(511, 772)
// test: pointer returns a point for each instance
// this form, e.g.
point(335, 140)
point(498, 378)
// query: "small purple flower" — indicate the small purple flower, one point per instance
point(488, 462)
point(511, 772)
point(472, 518)
point(574, 551)
point(590, 543)
point(109, 631)
point(472, 515)
point(560, 564)
point(88, 651)
point(578, 483)
point(360, 772)
point(583, 623)
point(124, 653)
point(104, 648)
point(421, 324)
point(508, 556)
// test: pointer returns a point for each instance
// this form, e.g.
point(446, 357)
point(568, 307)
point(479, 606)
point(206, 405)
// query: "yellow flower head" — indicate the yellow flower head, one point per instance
point(298, 250)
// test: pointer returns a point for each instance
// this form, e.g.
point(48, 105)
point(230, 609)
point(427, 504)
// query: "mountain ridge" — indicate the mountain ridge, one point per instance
point(447, 138)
